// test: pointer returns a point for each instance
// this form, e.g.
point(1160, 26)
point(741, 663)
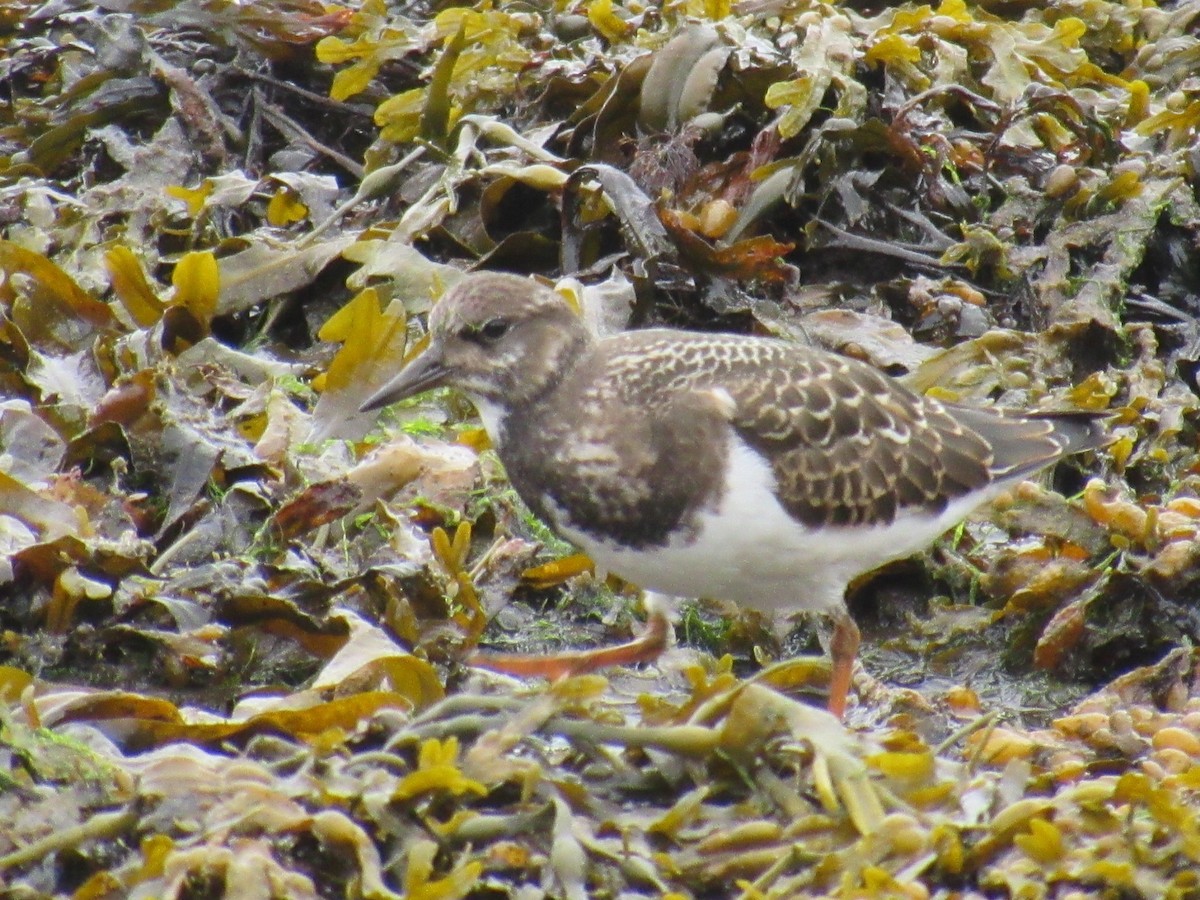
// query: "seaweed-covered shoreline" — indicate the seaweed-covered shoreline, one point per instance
point(234, 609)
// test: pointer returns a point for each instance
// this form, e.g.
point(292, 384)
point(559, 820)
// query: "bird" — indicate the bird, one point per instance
point(742, 468)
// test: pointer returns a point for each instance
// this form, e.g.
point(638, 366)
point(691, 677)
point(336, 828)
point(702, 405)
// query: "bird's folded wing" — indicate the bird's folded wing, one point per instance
point(851, 447)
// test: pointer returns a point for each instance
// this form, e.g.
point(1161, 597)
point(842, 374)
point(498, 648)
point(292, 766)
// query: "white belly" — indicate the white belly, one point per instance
point(750, 551)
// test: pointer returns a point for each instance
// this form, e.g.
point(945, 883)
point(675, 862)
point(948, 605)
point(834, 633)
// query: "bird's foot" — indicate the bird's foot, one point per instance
point(646, 647)
point(843, 649)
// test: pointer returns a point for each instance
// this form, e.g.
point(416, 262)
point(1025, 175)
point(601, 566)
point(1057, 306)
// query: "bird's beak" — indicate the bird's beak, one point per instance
point(425, 372)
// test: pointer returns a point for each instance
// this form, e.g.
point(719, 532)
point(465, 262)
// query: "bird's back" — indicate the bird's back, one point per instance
point(847, 444)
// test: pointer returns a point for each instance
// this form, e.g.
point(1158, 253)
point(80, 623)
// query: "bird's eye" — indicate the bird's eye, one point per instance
point(493, 329)
point(487, 333)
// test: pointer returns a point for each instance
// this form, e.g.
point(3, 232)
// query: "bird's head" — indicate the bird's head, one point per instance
point(501, 339)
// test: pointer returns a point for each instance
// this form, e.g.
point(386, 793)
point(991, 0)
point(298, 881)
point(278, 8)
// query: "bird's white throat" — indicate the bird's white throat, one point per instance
point(493, 416)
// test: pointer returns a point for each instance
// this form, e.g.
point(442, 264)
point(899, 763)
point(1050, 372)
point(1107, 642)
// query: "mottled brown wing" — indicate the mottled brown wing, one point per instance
point(850, 446)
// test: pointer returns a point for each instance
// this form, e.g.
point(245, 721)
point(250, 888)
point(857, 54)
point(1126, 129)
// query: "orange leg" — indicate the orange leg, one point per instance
point(843, 649)
point(646, 647)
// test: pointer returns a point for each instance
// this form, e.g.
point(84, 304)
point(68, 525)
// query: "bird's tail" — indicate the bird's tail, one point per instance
point(1023, 442)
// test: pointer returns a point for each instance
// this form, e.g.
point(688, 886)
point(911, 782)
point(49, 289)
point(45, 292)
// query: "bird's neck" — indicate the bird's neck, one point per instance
point(543, 372)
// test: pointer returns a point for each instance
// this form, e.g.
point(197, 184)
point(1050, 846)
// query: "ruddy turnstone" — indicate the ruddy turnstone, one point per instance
point(741, 468)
